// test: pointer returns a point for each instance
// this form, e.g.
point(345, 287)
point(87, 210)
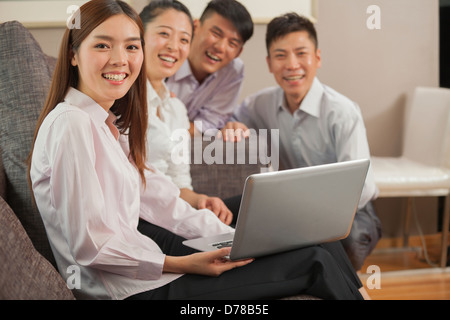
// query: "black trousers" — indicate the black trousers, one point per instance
point(323, 271)
point(364, 235)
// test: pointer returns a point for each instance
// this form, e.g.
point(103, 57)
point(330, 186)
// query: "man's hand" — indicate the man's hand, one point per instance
point(234, 131)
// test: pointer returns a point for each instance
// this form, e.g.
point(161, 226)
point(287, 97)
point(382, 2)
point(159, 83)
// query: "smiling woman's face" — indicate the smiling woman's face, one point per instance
point(109, 60)
point(167, 42)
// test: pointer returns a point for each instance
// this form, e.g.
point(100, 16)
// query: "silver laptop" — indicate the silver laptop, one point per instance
point(289, 209)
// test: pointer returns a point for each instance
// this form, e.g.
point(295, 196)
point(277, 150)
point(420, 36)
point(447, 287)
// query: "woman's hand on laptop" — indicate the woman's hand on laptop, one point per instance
point(211, 263)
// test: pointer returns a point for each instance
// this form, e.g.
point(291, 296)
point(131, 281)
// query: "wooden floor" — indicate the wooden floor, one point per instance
point(405, 274)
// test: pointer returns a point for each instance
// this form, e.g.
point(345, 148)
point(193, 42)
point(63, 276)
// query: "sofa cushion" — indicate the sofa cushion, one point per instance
point(26, 78)
point(24, 272)
point(220, 168)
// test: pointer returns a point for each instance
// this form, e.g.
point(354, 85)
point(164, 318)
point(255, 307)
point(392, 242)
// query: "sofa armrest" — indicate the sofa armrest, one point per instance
point(21, 100)
point(24, 273)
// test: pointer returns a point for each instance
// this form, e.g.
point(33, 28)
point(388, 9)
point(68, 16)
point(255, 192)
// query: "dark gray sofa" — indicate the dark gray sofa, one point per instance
point(27, 264)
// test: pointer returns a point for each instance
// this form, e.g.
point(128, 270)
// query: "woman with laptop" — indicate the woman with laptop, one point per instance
point(91, 183)
point(165, 52)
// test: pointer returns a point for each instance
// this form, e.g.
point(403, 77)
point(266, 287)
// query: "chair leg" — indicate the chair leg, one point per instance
point(445, 227)
point(406, 226)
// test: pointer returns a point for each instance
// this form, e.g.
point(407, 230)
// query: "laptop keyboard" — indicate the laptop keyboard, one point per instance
point(223, 244)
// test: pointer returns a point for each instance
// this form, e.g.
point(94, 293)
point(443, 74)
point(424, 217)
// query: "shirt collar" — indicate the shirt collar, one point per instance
point(151, 92)
point(282, 104)
point(87, 104)
point(154, 99)
point(310, 103)
point(185, 71)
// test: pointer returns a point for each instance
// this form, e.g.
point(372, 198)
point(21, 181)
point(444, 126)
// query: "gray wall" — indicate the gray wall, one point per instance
point(379, 69)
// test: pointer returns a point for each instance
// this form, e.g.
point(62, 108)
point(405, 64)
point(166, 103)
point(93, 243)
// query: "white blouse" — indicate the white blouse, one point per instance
point(90, 198)
point(168, 139)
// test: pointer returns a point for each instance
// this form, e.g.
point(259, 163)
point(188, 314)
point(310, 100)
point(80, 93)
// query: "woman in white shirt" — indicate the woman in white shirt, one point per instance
point(91, 184)
point(168, 33)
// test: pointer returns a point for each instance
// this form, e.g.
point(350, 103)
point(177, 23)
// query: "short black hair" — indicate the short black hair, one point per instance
point(233, 11)
point(156, 7)
point(288, 23)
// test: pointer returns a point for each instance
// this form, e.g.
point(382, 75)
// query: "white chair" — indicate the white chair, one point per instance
point(423, 170)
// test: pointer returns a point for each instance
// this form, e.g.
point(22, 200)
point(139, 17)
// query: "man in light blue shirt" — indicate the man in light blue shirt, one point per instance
point(317, 125)
point(210, 80)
